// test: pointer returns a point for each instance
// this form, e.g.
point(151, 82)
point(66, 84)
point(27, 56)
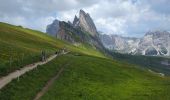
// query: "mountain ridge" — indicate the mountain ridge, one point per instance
point(154, 43)
point(83, 30)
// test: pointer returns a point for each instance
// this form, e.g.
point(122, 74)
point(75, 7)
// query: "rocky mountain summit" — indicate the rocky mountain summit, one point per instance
point(81, 30)
point(152, 43)
point(85, 22)
point(53, 28)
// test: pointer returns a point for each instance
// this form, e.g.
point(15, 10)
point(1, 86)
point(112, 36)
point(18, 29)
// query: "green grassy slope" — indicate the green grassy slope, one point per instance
point(20, 46)
point(89, 78)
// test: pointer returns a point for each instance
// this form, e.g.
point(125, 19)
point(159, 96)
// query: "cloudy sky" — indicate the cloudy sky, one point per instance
point(124, 17)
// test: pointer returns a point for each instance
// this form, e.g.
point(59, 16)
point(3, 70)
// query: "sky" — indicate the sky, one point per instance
point(131, 18)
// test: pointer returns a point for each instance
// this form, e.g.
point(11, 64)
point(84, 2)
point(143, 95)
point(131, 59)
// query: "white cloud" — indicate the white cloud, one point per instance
point(67, 15)
point(126, 17)
point(110, 26)
point(42, 23)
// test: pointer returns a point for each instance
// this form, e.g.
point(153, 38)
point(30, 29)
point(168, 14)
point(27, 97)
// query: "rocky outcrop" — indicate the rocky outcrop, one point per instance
point(76, 36)
point(63, 34)
point(76, 21)
point(82, 30)
point(53, 28)
point(86, 23)
point(68, 33)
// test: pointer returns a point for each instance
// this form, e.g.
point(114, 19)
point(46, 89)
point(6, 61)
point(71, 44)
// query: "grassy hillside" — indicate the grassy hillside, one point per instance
point(20, 46)
point(89, 78)
point(88, 74)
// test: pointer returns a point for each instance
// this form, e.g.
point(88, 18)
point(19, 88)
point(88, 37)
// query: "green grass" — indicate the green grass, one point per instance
point(89, 78)
point(20, 46)
point(92, 78)
point(32, 82)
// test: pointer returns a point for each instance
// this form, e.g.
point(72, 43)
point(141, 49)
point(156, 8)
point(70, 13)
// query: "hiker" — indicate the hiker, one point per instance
point(43, 56)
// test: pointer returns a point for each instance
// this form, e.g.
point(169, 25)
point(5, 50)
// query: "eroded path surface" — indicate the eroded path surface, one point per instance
point(16, 74)
point(49, 83)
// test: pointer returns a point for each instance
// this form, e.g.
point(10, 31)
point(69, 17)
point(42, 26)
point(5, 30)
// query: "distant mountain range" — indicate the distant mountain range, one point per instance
point(152, 43)
point(83, 30)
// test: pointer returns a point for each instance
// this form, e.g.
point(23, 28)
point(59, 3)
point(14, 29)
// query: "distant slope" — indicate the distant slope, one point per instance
point(20, 46)
point(154, 63)
point(89, 78)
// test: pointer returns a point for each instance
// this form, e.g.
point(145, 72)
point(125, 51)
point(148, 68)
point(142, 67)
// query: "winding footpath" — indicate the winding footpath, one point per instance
point(16, 74)
point(48, 84)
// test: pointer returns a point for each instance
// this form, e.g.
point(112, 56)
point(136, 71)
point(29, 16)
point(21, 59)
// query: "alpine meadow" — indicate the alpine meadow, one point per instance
point(84, 50)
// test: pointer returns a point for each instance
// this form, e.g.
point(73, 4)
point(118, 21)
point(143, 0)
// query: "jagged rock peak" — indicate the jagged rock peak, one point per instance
point(53, 28)
point(76, 21)
point(86, 23)
point(69, 23)
point(157, 32)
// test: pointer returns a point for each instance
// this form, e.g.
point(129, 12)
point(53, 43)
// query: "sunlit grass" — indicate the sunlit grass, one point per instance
point(89, 78)
point(20, 46)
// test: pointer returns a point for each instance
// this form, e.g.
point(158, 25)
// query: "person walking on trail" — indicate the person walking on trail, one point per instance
point(43, 56)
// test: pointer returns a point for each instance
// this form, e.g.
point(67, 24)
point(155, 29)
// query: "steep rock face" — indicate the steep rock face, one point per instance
point(76, 36)
point(68, 33)
point(53, 28)
point(85, 22)
point(76, 21)
point(159, 41)
point(151, 51)
point(63, 34)
point(119, 43)
point(107, 41)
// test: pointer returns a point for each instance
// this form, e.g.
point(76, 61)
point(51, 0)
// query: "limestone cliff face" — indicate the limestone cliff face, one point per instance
point(76, 21)
point(63, 34)
point(85, 22)
point(68, 33)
